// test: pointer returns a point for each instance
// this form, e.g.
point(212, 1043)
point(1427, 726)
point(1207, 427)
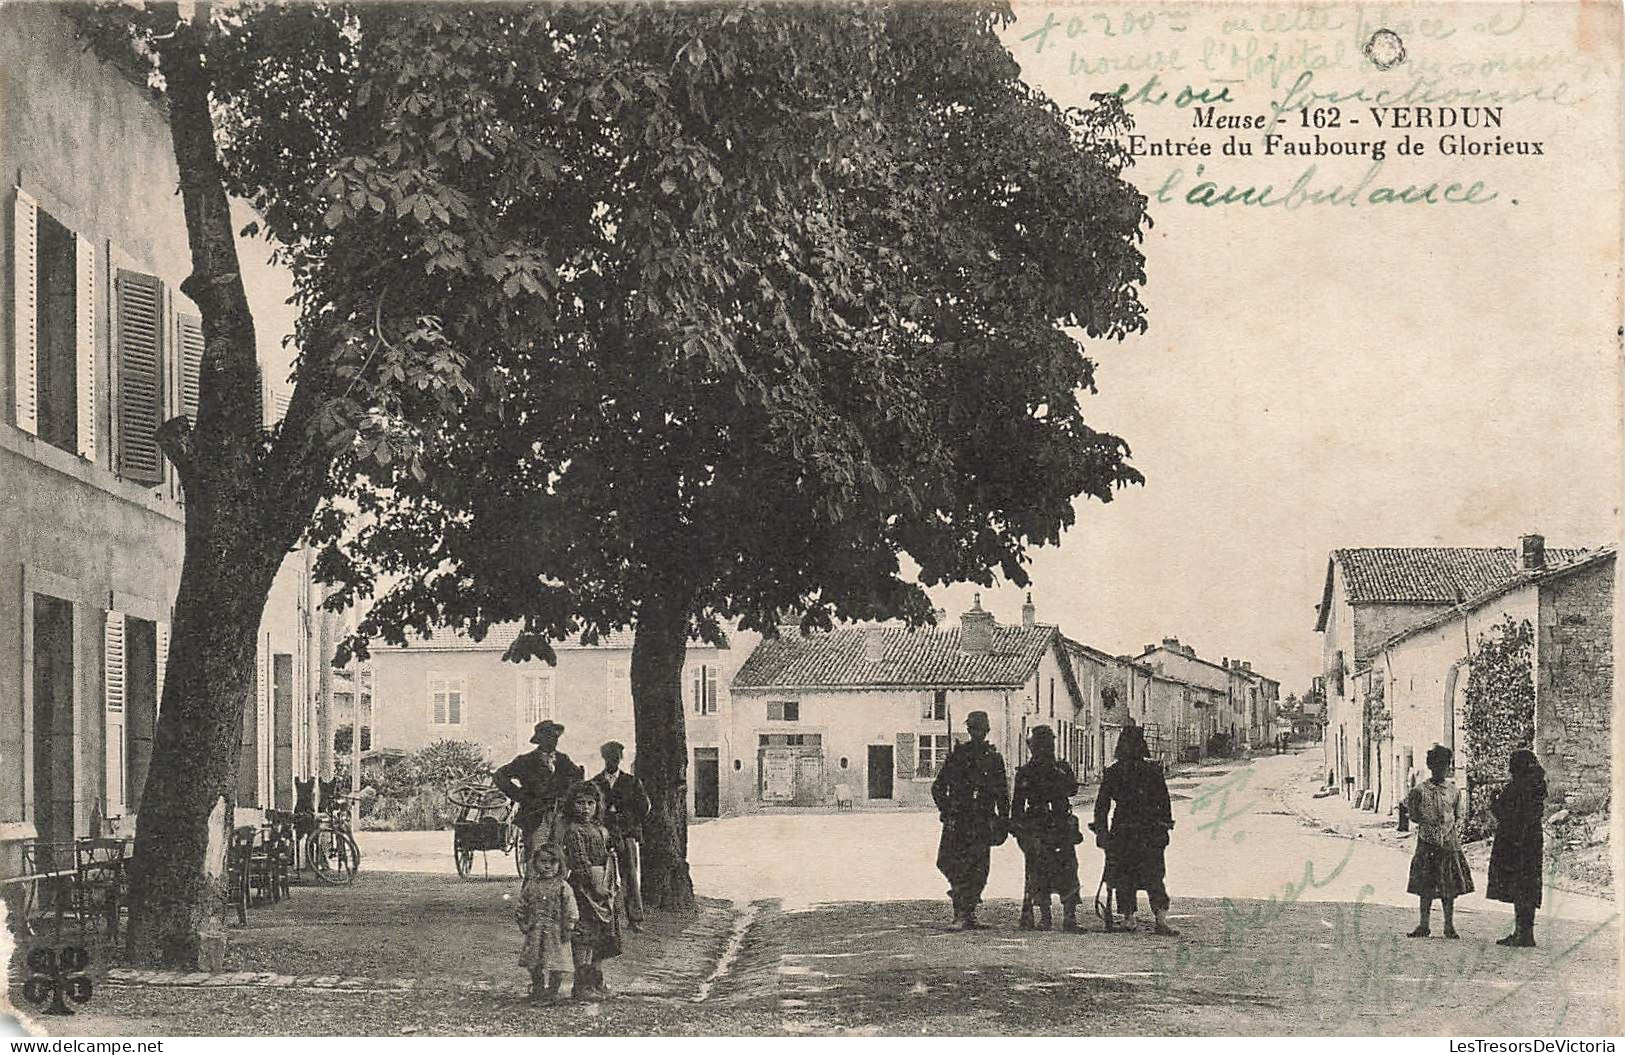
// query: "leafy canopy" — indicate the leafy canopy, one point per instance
point(817, 276)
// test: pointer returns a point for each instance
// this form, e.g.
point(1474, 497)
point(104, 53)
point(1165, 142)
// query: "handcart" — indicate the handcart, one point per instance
point(484, 823)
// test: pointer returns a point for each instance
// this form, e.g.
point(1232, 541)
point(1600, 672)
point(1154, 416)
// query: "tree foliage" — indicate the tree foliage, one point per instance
point(820, 309)
point(1499, 713)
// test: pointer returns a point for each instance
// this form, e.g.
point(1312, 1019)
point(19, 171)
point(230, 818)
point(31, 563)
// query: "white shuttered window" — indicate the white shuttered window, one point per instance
point(25, 311)
point(113, 668)
point(85, 345)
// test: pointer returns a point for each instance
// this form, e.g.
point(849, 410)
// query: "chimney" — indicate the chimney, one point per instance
point(1225, 662)
point(1148, 648)
point(1029, 614)
point(874, 643)
point(1172, 644)
point(940, 615)
point(1247, 666)
point(976, 629)
point(1533, 549)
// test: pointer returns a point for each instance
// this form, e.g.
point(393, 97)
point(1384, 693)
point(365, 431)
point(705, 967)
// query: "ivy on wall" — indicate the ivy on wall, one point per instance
point(1499, 716)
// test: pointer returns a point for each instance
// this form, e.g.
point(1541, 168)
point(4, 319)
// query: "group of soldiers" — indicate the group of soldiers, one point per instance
point(1132, 821)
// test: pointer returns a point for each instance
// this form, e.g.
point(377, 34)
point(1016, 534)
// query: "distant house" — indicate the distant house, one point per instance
point(877, 709)
point(451, 687)
point(1425, 672)
point(1369, 596)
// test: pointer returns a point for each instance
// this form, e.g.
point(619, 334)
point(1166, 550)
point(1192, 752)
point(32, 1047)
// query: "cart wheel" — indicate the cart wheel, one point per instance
point(517, 849)
point(465, 862)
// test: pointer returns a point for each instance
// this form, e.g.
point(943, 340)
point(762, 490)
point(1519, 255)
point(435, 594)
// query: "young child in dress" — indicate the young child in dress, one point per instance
point(547, 916)
point(593, 877)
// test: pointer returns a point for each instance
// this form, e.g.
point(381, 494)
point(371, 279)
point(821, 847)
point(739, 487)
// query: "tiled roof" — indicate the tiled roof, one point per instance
point(499, 638)
point(1553, 569)
point(501, 635)
point(839, 659)
point(1429, 575)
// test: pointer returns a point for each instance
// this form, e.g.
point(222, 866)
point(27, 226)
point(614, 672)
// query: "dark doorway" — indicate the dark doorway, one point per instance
point(53, 724)
point(880, 771)
point(707, 783)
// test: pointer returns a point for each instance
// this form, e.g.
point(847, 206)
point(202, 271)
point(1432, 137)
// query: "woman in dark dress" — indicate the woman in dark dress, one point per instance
point(1516, 857)
point(1041, 817)
point(1138, 834)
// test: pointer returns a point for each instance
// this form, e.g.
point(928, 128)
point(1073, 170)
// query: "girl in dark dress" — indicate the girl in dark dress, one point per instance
point(1516, 857)
point(593, 878)
point(1138, 834)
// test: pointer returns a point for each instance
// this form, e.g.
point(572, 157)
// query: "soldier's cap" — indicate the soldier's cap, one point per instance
point(546, 729)
point(613, 747)
point(977, 720)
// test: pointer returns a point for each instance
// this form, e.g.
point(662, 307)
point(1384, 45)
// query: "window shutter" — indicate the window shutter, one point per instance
point(113, 713)
point(85, 344)
point(140, 357)
point(694, 688)
point(906, 762)
point(25, 311)
point(189, 332)
point(262, 715)
point(711, 689)
point(163, 661)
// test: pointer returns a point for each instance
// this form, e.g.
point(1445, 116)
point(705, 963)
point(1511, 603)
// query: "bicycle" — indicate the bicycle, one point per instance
point(329, 849)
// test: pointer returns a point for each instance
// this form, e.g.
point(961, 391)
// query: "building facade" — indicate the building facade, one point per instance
point(1424, 674)
point(99, 347)
point(1371, 595)
point(872, 711)
point(451, 687)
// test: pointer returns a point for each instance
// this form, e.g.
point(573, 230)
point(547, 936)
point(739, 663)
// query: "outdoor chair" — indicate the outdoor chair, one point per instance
point(239, 867)
point(843, 797)
point(49, 902)
point(98, 883)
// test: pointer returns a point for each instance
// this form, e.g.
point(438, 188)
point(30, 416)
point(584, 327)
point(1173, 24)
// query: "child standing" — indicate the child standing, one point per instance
point(547, 916)
point(1438, 869)
point(593, 877)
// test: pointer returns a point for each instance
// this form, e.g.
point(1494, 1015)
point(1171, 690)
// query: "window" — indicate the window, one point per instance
point(790, 740)
point(535, 701)
point(783, 710)
point(54, 315)
point(703, 689)
point(140, 407)
point(934, 750)
point(1052, 697)
point(446, 700)
point(618, 690)
point(935, 706)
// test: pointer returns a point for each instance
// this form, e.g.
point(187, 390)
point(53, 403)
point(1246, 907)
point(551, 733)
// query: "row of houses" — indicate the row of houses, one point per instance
point(795, 719)
point(1405, 631)
point(99, 346)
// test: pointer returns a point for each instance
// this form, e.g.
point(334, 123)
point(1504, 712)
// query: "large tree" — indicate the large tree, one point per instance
point(404, 160)
point(831, 317)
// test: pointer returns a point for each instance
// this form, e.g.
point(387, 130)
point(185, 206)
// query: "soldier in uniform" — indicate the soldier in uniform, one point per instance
point(973, 797)
point(1137, 835)
point(1042, 819)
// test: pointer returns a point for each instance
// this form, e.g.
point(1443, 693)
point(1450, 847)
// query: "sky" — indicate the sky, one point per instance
point(1326, 377)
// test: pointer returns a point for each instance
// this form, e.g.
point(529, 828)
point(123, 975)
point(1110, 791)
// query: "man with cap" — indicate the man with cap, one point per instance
point(1134, 796)
point(540, 782)
point(973, 797)
point(626, 805)
point(1042, 819)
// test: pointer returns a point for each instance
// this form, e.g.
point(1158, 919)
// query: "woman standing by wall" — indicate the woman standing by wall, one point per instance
point(1517, 855)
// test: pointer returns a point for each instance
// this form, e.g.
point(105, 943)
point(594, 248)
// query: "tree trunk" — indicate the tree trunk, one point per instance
point(246, 507)
point(658, 649)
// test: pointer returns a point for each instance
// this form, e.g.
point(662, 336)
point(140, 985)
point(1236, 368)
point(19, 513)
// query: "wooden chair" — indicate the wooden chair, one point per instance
point(98, 884)
point(843, 797)
point(49, 902)
point(239, 865)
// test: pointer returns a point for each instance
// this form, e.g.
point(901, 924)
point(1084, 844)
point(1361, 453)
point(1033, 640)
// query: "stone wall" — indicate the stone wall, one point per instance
point(1575, 686)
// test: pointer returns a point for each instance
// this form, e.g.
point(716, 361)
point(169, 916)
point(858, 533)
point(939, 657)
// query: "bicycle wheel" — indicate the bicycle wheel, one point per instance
point(336, 858)
point(516, 847)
